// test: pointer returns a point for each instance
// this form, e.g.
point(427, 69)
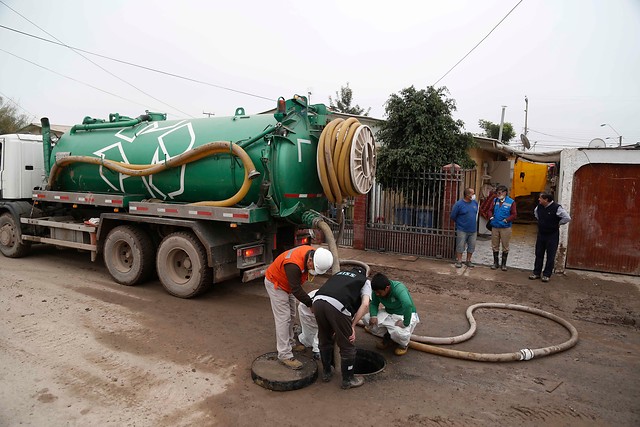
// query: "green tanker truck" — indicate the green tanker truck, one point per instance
point(194, 201)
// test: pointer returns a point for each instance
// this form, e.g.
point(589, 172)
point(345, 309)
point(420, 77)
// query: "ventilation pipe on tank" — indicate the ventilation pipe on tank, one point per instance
point(113, 124)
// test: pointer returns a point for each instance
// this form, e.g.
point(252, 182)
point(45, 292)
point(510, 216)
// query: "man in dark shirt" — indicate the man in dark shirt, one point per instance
point(550, 217)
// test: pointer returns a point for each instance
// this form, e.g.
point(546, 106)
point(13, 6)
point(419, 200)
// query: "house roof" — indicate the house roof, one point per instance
point(494, 146)
point(36, 128)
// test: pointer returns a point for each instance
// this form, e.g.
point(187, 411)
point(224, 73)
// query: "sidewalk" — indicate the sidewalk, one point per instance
point(516, 273)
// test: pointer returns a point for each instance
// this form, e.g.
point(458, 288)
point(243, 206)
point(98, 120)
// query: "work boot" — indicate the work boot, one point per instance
point(327, 361)
point(385, 343)
point(298, 348)
point(292, 363)
point(349, 380)
point(496, 263)
point(401, 351)
point(504, 261)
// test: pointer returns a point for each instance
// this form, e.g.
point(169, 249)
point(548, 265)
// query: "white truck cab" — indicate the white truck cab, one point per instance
point(21, 166)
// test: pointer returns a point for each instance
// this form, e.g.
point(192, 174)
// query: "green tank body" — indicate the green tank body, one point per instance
point(282, 147)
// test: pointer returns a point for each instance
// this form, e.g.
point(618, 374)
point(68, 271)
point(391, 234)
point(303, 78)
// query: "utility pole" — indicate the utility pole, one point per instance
point(504, 107)
point(526, 113)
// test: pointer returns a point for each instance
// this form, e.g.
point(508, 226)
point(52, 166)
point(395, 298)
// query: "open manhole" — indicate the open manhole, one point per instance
point(368, 362)
point(268, 372)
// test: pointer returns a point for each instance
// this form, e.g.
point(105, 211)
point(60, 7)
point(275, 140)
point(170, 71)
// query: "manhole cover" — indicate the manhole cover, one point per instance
point(269, 373)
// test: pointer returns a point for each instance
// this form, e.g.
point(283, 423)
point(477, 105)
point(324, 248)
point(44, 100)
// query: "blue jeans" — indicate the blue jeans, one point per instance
point(465, 239)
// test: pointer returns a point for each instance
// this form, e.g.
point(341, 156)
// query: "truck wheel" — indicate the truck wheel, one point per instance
point(11, 245)
point(129, 255)
point(182, 265)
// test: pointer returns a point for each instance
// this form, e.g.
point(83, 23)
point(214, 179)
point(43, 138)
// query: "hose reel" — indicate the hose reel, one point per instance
point(346, 159)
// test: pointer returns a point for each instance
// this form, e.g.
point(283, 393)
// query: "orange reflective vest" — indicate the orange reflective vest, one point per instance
point(275, 272)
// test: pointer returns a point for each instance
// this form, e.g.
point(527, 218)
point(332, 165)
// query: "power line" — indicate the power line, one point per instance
point(474, 48)
point(560, 137)
point(166, 73)
point(96, 64)
point(71, 78)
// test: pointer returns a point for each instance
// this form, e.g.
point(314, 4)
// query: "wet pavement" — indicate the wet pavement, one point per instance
point(521, 247)
point(520, 263)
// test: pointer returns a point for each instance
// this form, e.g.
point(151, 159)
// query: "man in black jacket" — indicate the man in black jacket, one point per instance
point(550, 217)
point(338, 306)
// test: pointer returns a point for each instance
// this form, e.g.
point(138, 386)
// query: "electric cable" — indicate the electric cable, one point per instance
point(166, 73)
point(75, 80)
point(94, 63)
point(474, 48)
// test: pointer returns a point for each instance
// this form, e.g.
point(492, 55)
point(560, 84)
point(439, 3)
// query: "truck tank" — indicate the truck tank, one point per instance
point(240, 160)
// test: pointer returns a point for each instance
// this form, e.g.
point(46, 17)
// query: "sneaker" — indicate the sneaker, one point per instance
point(494, 266)
point(545, 279)
point(353, 382)
point(534, 277)
point(292, 363)
point(401, 351)
point(470, 264)
point(503, 268)
point(298, 348)
point(458, 264)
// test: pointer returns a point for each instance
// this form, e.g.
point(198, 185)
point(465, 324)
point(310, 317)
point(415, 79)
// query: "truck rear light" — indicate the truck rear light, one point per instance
point(250, 252)
point(248, 256)
point(303, 237)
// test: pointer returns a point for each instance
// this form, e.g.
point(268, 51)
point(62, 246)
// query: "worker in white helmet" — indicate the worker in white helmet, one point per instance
point(283, 282)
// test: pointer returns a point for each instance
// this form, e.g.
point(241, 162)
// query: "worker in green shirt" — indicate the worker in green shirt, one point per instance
point(397, 320)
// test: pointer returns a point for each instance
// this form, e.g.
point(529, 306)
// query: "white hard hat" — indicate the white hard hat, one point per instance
point(322, 260)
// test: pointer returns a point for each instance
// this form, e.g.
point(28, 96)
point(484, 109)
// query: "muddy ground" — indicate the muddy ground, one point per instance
point(78, 349)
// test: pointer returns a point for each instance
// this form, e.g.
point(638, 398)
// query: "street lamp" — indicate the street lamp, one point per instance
point(619, 136)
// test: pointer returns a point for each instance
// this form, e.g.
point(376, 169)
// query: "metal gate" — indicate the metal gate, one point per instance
point(604, 233)
point(411, 215)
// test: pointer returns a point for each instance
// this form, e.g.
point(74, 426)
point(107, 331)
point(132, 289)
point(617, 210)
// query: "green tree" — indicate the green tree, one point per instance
point(420, 134)
point(492, 130)
point(343, 103)
point(10, 119)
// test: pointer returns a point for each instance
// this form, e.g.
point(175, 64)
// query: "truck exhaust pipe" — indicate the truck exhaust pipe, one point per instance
point(46, 145)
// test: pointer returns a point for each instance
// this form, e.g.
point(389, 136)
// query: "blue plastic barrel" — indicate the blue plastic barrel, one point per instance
point(424, 218)
point(404, 216)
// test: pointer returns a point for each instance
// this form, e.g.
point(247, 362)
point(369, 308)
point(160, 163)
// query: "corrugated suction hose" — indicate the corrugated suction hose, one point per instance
point(346, 159)
point(190, 156)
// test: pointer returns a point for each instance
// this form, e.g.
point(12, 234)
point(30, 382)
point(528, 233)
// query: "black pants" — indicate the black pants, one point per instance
point(546, 243)
point(331, 321)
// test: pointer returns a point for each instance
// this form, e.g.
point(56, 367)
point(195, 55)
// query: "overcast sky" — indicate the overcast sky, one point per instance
point(577, 61)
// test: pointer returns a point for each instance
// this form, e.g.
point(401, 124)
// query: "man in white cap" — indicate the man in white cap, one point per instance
point(283, 282)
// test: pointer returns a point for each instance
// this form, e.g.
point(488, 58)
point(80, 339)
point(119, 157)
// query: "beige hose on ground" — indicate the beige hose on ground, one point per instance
point(190, 156)
point(419, 342)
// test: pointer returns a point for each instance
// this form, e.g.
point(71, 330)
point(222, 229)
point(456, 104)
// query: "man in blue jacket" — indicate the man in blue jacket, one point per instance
point(503, 212)
point(465, 215)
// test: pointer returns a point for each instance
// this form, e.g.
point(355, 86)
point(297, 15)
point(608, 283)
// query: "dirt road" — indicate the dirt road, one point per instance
point(78, 349)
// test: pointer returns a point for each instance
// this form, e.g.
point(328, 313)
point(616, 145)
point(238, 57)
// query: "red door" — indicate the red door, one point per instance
point(604, 233)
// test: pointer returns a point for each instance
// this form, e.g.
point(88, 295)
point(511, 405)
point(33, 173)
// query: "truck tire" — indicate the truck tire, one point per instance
point(129, 255)
point(182, 265)
point(11, 244)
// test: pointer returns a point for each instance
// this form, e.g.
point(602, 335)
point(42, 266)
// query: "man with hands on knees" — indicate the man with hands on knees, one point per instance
point(338, 306)
point(397, 320)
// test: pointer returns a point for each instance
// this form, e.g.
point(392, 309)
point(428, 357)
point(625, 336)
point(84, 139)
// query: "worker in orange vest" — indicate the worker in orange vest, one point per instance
point(283, 281)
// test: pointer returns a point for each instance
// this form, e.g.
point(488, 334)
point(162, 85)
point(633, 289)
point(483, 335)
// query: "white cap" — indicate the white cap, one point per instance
point(322, 260)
